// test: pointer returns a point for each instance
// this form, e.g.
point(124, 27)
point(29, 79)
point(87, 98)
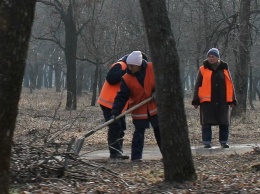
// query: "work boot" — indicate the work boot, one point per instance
point(207, 146)
point(119, 155)
point(224, 145)
point(114, 148)
point(137, 160)
point(121, 144)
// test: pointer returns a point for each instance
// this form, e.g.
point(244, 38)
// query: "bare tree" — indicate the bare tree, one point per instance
point(177, 156)
point(69, 19)
point(241, 73)
point(106, 39)
point(16, 18)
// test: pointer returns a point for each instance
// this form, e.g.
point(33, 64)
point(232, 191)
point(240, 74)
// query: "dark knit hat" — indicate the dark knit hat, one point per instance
point(213, 51)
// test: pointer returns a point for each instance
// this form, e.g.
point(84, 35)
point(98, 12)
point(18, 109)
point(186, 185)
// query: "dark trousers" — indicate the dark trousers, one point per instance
point(207, 134)
point(138, 136)
point(115, 132)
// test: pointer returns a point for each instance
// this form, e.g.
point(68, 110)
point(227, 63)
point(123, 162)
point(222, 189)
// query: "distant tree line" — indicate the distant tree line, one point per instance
point(74, 42)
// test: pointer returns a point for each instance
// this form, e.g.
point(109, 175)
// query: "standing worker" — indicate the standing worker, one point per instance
point(214, 92)
point(136, 86)
point(106, 98)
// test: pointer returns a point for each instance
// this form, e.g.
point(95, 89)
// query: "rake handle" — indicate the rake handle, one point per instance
point(118, 117)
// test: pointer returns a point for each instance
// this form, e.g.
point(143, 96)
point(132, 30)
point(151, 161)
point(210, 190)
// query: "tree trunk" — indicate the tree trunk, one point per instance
point(26, 78)
point(40, 77)
point(45, 77)
point(57, 72)
point(251, 88)
point(50, 75)
point(16, 21)
point(256, 88)
point(176, 151)
point(70, 54)
point(100, 80)
point(241, 73)
point(80, 79)
point(95, 83)
point(32, 76)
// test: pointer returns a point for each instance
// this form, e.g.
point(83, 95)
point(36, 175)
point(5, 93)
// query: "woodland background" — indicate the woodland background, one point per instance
point(36, 169)
point(72, 45)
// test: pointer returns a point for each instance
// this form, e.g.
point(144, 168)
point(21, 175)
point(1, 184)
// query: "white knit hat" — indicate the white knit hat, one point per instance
point(135, 58)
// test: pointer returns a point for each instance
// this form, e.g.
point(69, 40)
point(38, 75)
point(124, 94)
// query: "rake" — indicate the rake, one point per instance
point(80, 140)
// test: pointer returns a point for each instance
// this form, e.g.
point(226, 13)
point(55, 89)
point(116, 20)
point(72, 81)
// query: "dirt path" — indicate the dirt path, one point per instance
point(153, 153)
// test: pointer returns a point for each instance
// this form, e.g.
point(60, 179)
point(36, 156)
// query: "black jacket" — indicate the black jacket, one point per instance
point(115, 73)
point(124, 93)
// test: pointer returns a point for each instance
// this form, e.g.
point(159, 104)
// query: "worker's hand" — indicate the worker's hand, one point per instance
point(113, 117)
point(196, 106)
point(232, 105)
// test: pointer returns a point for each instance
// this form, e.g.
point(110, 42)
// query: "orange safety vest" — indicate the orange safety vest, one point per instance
point(109, 92)
point(204, 92)
point(139, 93)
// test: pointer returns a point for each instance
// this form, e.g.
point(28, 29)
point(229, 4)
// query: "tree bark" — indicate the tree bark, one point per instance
point(256, 88)
point(57, 72)
point(95, 83)
point(176, 151)
point(32, 74)
point(40, 76)
point(16, 18)
point(50, 76)
point(70, 54)
point(251, 88)
point(241, 72)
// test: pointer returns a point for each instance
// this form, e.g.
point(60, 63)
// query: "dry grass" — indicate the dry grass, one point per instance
point(42, 118)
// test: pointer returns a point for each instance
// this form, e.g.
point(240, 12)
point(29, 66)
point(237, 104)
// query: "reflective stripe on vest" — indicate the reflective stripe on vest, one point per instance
point(204, 92)
point(108, 91)
point(140, 93)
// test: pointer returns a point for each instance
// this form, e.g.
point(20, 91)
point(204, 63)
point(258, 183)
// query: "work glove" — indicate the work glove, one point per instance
point(114, 114)
point(195, 106)
point(113, 117)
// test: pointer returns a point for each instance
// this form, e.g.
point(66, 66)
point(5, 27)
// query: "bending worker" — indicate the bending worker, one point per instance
point(136, 86)
point(108, 92)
